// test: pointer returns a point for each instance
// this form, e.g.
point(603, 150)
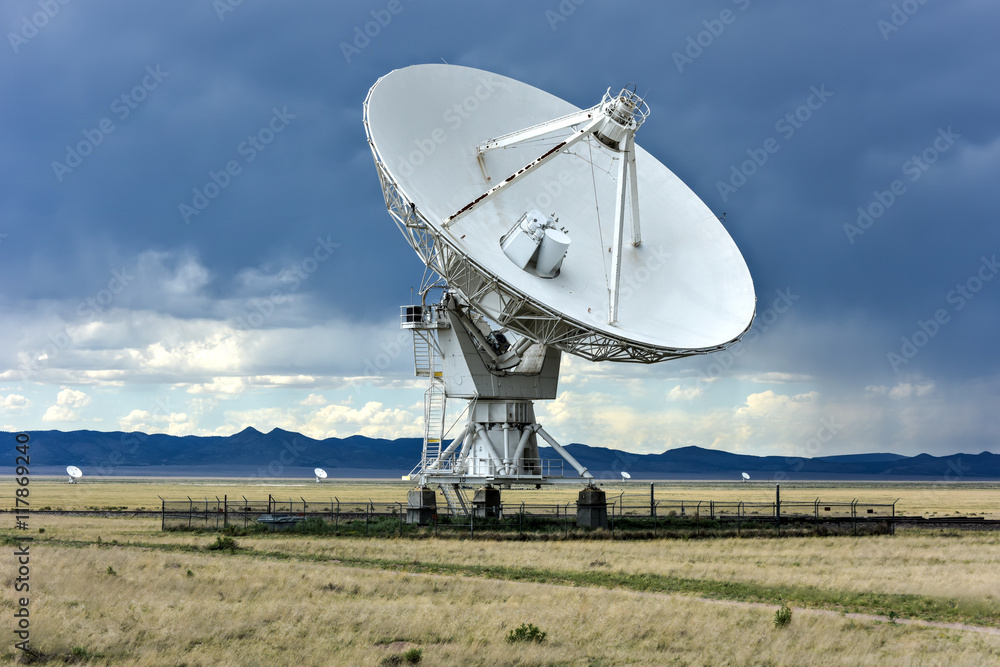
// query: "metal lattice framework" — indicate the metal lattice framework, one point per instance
point(508, 307)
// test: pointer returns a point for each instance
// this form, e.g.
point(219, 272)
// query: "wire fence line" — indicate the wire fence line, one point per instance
point(627, 510)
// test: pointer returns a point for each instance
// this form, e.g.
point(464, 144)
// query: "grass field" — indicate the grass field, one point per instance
point(117, 590)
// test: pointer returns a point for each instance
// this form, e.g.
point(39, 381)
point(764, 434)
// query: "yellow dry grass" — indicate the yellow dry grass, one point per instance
point(919, 562)
point(238, 610)
point(245, 609)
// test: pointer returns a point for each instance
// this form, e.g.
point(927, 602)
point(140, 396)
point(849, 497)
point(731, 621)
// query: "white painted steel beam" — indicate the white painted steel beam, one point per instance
point(535, 131)
point(563, 453)
point(523, 171)
point(616, 245)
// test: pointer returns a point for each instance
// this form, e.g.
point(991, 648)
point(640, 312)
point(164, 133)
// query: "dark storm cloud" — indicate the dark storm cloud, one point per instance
point(223, 81)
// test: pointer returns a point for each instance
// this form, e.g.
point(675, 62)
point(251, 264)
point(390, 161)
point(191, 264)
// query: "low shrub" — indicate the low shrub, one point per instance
point(526, 632)
point(783, 616)
point(223, 543)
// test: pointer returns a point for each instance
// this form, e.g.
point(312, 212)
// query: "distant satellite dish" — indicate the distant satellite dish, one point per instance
point(746, 477)
point(74, 474)
point(320, 474)
point(625, 475)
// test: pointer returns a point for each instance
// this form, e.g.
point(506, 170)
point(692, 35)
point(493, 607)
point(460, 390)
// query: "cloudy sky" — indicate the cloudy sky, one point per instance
point(132, 300)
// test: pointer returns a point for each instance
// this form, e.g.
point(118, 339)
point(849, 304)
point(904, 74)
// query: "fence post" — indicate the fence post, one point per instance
point(777, 505)
point(190, 510)
point(472, 523)
point(163, 514)
point(225, 510)
point(893, 524)
point(652, 504)
point(711, 509)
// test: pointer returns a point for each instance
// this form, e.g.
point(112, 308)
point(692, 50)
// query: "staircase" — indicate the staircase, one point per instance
point(423, 354)
point(423, 322)
point(434, 406)
point(427, 363)
point(457, 504)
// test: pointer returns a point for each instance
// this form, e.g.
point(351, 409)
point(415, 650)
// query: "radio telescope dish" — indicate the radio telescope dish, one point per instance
point(746, 477)
point(625, 475)
point(320, 474)
point(466, 157)
point(74, 474)
point(550, 231)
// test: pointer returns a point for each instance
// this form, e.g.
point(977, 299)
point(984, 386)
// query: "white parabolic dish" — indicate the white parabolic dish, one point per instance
point(74, 472)
point(320, 473)
point(685, 289)
point(625, 475)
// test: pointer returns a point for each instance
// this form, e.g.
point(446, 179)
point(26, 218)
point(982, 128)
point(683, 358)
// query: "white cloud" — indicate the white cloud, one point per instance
point(679, 393)
point(775, 378)
point(72, 398)
point(14, 402)
point(910, 390)
point(174, 423)
point(59, 413)
point(67, 401)
point(313, 399)
point(219, 385)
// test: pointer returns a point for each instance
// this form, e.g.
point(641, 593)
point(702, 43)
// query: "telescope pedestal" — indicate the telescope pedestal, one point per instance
point(465, 359)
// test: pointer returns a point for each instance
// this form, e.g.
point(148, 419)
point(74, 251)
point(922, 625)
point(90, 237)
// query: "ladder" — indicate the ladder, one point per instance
point(434, 406)
point(455, 499)
point(423, 354)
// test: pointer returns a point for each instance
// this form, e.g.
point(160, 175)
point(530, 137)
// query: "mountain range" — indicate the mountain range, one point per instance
point(281, 453)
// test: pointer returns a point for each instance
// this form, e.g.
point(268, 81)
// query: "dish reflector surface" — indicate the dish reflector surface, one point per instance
point(74, 472)
point(684, 290)
point(746, 476)
point(625, 475)
point(319, 472)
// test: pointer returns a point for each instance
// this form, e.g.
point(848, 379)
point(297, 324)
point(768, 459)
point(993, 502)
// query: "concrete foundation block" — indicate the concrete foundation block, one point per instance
point(486, 503)
point(592, 509)
point(421, 506)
